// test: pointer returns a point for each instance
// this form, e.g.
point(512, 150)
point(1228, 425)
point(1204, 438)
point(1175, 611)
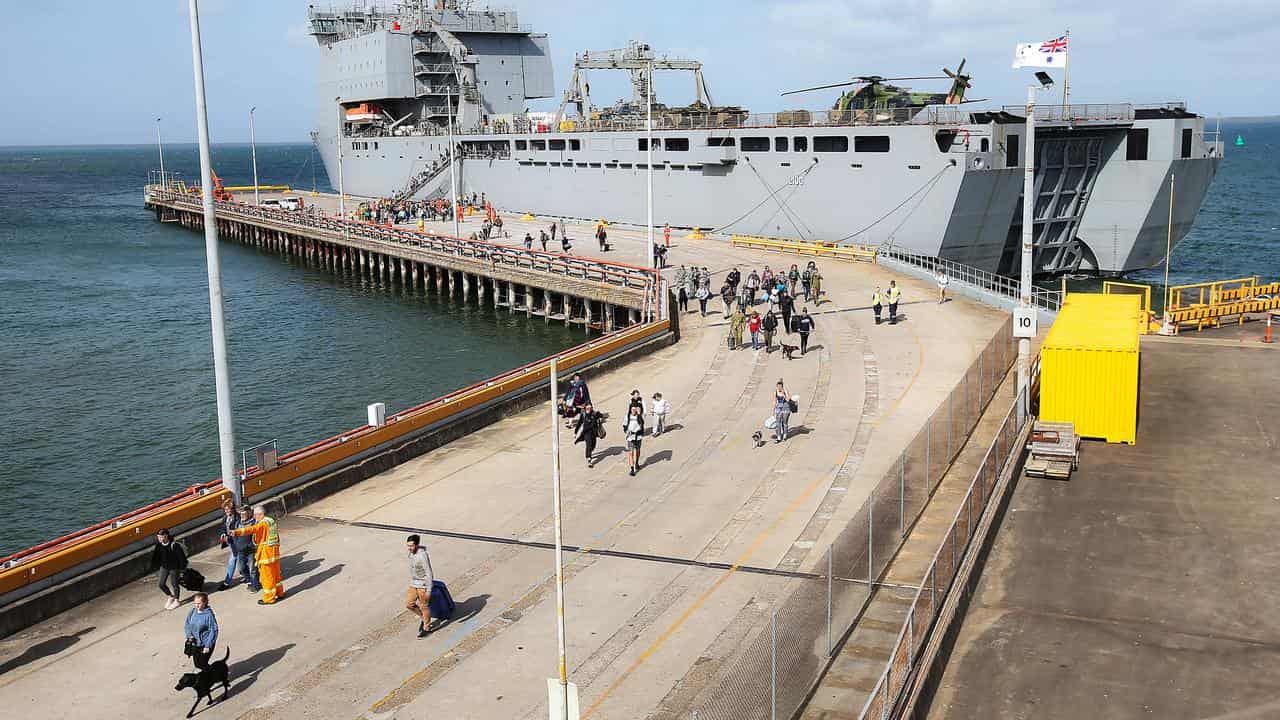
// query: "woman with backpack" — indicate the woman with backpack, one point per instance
point(587, 428)
point(633, 427)
point(782, 408)
point(170, 558)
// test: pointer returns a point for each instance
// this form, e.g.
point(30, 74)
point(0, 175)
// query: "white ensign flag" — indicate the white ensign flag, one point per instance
point(1049, 54)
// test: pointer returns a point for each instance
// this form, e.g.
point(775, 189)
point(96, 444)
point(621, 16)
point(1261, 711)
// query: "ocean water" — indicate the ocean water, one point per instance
point(105, 360)
point(105, 357)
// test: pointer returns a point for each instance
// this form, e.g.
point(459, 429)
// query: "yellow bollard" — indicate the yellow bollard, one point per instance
point(696, 235)
point(527, 216)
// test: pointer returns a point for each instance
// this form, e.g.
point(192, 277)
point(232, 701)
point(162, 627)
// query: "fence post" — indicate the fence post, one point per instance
point(829, 581)
point(902, 495)
point(773, 665)
point(949, 404)
point(870, 529)
point(928, 469)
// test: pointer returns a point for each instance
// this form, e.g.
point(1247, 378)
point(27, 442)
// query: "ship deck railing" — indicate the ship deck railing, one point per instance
point(1078, 113)
point(571, 266)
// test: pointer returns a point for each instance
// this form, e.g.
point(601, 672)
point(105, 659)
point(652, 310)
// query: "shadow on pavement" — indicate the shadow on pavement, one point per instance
point(658, 457)
point(292, 565)
point(466, 610)
point(44, 649)
point(311, 581)
point(245, 672)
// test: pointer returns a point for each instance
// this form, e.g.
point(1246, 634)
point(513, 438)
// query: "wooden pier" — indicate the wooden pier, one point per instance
point(599, 295)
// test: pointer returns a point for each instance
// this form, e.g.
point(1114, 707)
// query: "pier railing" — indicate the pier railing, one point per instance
point(560, 264)
point(773, 674)
point(1007, 288)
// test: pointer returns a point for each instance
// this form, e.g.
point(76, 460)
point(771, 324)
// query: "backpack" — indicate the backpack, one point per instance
point(600, 431)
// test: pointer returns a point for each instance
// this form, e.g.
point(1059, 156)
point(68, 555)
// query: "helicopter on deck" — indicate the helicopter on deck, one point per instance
point(874, 93)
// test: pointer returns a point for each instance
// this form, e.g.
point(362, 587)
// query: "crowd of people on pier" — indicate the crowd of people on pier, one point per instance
point(778, 293)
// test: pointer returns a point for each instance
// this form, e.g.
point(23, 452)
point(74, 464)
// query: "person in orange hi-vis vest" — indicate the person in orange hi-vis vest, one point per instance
point(267, 556)
point(666, 235)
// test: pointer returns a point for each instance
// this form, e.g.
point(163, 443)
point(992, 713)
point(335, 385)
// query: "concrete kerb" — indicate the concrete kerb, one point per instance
point(39, 601)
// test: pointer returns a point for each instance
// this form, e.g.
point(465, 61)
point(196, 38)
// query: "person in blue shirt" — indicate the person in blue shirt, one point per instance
point(202, 631)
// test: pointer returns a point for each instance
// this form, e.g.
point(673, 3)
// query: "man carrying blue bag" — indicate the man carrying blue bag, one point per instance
point(427, 596)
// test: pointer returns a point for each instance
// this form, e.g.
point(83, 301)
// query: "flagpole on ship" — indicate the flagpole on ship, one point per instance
point(1066, 74)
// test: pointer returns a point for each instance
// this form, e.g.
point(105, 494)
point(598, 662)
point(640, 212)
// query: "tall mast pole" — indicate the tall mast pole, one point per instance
point(453, 177)
point(1024, 280)
point(221, 373)
point(160, 147)
point(342, 191)
point(555, 490)
point(253, 150)
point(649, 164)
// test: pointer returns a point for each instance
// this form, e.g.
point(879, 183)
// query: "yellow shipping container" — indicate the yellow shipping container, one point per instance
point(1089, 367)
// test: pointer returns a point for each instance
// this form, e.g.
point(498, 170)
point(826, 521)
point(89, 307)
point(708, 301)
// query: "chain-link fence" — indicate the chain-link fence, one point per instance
point(773, 672)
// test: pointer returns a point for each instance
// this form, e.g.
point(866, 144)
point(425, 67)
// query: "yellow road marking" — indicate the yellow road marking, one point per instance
point(702, 599)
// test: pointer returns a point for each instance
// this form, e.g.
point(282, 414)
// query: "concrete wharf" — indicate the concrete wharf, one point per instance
point(678, 568)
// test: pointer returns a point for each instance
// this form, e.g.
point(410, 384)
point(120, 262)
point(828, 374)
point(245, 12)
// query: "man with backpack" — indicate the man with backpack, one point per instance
point(587, 428)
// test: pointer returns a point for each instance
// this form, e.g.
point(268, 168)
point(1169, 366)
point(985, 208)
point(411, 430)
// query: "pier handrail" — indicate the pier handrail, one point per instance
point(26, 566)
point(575, 266)
point(1042, 298)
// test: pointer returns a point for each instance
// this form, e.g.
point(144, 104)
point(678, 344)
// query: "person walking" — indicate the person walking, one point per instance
point(943, 282)
point(602, 237)
point(636, 401)
point(170, 558)
point(681, 283)
point(201, 629)
point(660, 409)
point(528, 241)
point(586, 430)
point(753, 326)
point(766, 279)
point(815, 279)
point(876, 298)
point(266, 538)
point(703, 295)
point(753, 288)
point(246, 550)
point(553, 231)
point(542, 238)
point(895, 294)
point(769, 324)
point(804, 325)
point(633, 428)
point(793, 277)
point(788, 305)
point(418, 599)
point(733, 279)
point(231, 521)
point(806, 280)
point(737, 323)
point(781, 412)
point(727, 294)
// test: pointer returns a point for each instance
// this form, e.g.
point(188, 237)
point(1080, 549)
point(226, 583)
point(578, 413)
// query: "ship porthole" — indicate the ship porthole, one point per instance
point(978, 163)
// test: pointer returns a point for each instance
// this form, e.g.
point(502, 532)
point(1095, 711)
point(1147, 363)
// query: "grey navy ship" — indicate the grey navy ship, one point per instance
point(931, 174)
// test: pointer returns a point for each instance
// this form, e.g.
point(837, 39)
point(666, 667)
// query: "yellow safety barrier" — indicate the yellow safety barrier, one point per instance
point(527, 216)
point(1115, 287)
point(1208, 303)
point(802, 247)
point(323, 454)
point(696, 235)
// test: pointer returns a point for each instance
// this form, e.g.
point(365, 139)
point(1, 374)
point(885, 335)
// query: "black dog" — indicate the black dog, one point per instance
point(204, 681)
point(757, 438)
point(787, 350)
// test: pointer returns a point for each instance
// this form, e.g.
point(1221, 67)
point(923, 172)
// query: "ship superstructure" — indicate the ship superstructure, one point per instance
point(936, 179)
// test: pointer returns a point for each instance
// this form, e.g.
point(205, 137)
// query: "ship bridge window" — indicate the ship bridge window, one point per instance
point(538, 144)
point(522, 144)
point(871, 143)
point(801, 144)
point(984, 145)
point(780, 144)
point(643, 144)
point(1011, 151)
point(557, 144)
point(721, 142)
point(831, 143)
point(1136, 144)
point(755, 144)
point(575, 144)
point(677, 144)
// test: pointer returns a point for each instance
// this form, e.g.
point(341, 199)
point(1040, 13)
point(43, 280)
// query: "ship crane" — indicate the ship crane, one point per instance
point(638, 59)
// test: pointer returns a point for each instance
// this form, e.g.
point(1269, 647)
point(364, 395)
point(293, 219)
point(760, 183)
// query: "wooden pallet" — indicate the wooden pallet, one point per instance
point(1055, 450)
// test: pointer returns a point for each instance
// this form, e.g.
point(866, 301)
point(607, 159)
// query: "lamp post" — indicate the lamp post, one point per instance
point(342, 192)
point(649, 164)
point(253, 150)
point(160, 147)
point(555, 491)
point(221, 374)
point(453, 177)
point(1028, 240)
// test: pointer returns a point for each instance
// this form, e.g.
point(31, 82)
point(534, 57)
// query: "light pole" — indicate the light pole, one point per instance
point(221, 374)
point(160, 147)
point(555, 491)
point(1028, 241)
point(253, 150)
point(649, 165)
point(342, 192)
point(453, 177)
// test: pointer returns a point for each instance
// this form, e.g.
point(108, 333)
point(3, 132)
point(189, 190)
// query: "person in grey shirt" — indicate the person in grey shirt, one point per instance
point(418, 599)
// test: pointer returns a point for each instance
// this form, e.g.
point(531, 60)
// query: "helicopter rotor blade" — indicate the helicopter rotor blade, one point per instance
point(821, 87)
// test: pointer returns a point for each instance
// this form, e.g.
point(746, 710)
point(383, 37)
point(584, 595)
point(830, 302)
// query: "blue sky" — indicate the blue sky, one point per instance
point(95, 72)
